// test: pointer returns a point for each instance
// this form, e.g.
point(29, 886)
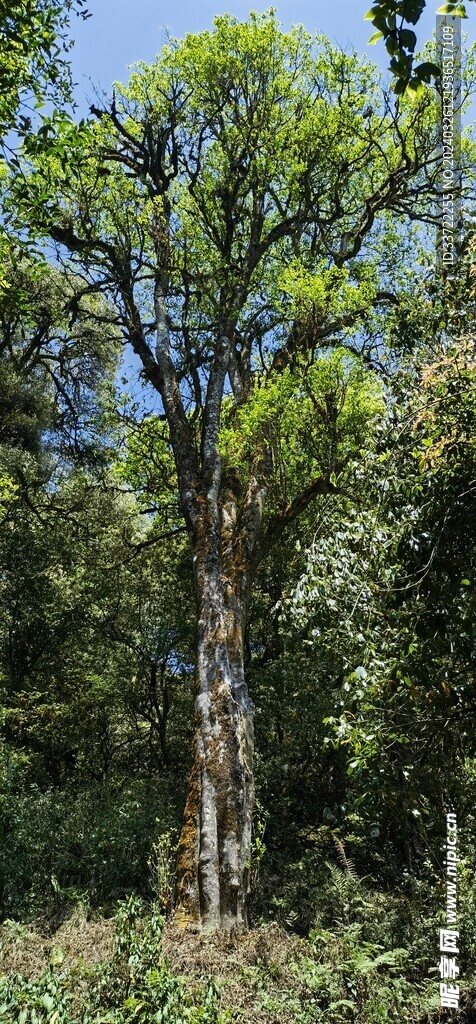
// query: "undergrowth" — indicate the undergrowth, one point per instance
point(336, 975)
point(134, 987)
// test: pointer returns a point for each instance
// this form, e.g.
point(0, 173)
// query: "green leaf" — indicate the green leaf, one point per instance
point(399, 88)
point(408, 39)
point(415, 88)
point(426, 71)
point(374, 39)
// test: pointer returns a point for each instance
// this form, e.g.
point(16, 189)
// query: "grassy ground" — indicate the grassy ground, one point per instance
point(267, 976)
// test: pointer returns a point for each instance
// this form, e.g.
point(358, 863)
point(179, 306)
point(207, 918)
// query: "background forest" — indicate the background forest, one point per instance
point(352, 369)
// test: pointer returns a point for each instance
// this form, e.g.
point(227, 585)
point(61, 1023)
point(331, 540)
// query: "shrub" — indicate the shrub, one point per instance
point(135, 987)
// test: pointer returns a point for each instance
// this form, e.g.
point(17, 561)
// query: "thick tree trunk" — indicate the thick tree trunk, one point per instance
point(215, 844)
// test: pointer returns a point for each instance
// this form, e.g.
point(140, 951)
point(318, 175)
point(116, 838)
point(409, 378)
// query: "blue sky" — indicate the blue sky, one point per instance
point(123, 31)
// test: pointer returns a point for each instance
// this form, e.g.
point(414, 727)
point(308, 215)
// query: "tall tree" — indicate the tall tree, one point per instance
point(240, 203)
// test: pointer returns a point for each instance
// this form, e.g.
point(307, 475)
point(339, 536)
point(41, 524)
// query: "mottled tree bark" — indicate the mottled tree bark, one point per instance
point(215, 844)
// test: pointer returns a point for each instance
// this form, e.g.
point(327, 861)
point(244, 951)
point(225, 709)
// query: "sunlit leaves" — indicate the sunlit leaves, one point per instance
point(34, 42)
point(316, 421)
point(389, 17)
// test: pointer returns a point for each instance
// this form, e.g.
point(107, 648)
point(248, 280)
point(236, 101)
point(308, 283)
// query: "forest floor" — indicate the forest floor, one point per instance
point(259, 974)
point(266, 976)
point(256, 973)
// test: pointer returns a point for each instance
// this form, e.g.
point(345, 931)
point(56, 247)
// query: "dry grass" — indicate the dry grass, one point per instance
point(30, 952)
point(256, 972)
point(265, 976)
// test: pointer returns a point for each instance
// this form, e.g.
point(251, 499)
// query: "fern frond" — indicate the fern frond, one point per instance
point(340, 880)
point(345, 862)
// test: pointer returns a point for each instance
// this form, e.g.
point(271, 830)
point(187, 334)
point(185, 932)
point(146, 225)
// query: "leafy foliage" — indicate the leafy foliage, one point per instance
point(33, 44)
point(391, 19)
